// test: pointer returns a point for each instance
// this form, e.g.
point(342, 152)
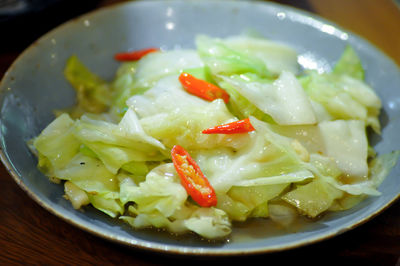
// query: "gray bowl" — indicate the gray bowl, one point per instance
point(34, 86)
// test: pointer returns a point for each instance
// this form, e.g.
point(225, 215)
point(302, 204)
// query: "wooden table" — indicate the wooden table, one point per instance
point(31, 235)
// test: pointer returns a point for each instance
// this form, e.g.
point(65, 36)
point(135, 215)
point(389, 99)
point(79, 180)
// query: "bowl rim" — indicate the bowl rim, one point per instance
point(147, 245)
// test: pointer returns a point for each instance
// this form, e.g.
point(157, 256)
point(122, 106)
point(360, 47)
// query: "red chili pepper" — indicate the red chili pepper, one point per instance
point(134, 55)
point(192, 179)
point(241, 126)
point(202, 89)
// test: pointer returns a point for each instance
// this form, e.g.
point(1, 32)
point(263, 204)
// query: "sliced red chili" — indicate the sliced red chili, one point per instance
point(202, 88)
point(134, 55)
point(240, 126)
point(192, 179)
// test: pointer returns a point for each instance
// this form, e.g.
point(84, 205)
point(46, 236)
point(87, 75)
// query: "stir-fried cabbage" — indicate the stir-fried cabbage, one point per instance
point(308, 153)
point(284, 100)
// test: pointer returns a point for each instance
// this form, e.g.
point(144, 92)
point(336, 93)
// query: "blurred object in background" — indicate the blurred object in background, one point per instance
point(375, 20)
point(23, 21)
point(303, 4)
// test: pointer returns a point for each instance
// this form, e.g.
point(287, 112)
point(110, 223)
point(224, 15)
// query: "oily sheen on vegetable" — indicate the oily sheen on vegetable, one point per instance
point(192, 140)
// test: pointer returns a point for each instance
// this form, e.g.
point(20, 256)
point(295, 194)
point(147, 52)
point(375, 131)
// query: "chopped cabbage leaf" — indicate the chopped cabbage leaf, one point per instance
point(267, 155)
point(321, 114)
point(161, 196)
point(155, 219)
point(116, 145)
point(93, 93)
point(124, 87)
point(236, 210)
point(56, 143)
point(256, 196)
point(284, 100)
point(346, 142)
point(201, 73)
point(172, 116)
point(313, 198)
point(209, 223)
point(166, 96)
point(293, 177)
point(157, 65)
point(276, 56)
point(241, 203)
point(240, 106)
point(379, 170)
point(75, 195)
point(160, 191)
point(381, 166)
point(345, 97)
point(348, 201)
point(139, 169)
point(309, 136)
point(111, 207)
point(137, 77)
point(223, 60)
point(282, 213)
point(90, 175)
point(349, 64)
point(85, 150)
